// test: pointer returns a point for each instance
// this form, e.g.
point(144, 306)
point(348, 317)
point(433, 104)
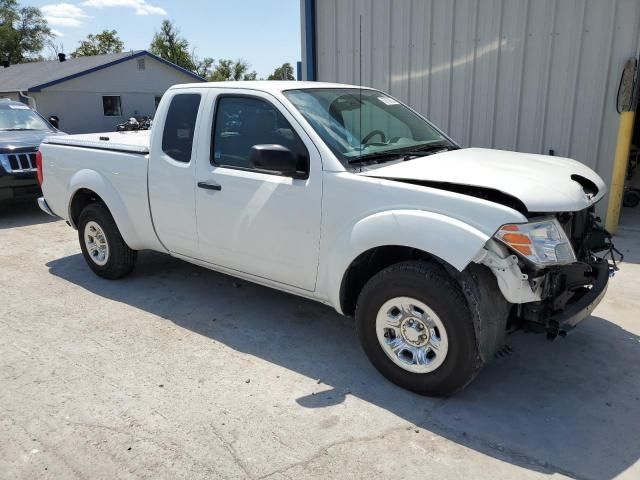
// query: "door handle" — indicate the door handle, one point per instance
point(209, 186)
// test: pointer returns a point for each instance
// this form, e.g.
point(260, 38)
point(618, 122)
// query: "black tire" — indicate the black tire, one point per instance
point(121, 259)
point(429, 283)
point(631, 198)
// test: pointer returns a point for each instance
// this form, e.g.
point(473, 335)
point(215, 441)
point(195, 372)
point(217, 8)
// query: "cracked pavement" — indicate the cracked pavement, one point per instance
point(179, 372)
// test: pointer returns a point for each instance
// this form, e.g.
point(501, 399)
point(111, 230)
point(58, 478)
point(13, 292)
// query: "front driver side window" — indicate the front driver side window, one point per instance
point(242, 122)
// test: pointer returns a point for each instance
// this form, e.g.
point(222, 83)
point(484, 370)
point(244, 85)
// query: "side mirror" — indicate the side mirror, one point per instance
point(54, 121)
point(275, 158)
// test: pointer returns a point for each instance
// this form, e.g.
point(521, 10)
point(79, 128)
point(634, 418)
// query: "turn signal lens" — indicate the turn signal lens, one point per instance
point(516, 238)
point(523, 249)
point(542, 242)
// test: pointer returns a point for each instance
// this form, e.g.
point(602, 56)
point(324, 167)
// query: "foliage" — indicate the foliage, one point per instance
point(101, 43)
point(169, 45)
point(54, 48)
point(227, 69)
point(202, 68)
point(284, 72)
point(23, 32)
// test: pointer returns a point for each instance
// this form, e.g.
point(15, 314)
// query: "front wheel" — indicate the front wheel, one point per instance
point(416, 328)
point(103, 247)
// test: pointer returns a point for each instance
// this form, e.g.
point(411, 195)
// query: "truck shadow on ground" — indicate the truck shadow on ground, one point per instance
point(22, 214)
point(569, 407)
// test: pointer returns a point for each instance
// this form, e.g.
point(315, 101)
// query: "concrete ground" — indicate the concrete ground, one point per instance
point(179, 372)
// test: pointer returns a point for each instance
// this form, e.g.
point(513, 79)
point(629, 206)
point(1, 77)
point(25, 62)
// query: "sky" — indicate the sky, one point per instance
point(265, 33)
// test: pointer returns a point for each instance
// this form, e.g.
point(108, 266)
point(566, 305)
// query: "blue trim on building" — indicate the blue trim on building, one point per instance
point(310, 38)
point(141, 53)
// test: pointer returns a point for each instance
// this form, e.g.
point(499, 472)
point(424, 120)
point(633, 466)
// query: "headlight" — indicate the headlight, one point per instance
point(543, 242)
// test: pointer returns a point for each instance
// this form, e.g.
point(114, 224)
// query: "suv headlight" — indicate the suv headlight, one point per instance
point(543, 242)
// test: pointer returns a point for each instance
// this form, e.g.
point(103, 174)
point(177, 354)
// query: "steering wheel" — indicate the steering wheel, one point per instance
point(373, 133)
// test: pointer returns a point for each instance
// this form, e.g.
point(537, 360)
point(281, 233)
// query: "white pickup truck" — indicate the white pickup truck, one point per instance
point(346, 196)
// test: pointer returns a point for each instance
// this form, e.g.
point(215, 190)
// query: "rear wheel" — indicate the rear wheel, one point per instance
point(102, 246)
point(416, 328)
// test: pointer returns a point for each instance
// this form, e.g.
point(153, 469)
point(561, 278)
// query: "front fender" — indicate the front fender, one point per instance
point(94, 181)
point(451, 240)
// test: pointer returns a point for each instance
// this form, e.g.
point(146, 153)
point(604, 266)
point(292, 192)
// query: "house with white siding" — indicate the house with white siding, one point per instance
point(93, 94)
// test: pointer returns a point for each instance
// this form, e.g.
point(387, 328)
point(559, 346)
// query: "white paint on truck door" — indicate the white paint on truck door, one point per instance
point(172, 167)
point(259, 223)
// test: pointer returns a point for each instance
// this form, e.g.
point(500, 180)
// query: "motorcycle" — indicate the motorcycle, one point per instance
point(134, 124)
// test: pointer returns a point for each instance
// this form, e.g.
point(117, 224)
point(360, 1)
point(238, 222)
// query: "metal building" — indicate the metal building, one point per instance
point(527, 75)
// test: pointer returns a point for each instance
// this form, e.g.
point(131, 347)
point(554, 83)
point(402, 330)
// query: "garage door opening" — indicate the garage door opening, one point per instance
point(624, 194)
point(630, 215)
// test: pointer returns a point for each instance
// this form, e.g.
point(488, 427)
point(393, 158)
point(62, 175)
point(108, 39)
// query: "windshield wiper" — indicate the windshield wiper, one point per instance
point(16, 129)
point(430, 148)
point(375, 156)
point(405, 154)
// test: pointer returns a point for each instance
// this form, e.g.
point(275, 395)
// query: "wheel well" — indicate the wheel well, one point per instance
point(81, 199)
point(367, 264)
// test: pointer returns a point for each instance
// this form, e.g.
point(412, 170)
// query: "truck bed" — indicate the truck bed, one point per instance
point(129, 142)
point(113, 166)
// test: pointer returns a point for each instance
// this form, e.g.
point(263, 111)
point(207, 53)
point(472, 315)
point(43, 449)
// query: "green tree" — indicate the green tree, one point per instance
point(169, 45)
point(101, 43)
point(284, 72)
point(202, 67)
point(23, 32)
point(227, 69)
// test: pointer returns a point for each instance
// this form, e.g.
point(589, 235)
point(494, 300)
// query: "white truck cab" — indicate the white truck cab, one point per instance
point(346, 196)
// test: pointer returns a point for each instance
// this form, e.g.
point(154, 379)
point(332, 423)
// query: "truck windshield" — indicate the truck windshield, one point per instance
point(19, 117)
point(366, 126)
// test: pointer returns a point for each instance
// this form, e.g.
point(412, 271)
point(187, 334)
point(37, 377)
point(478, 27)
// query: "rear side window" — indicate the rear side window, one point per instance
point(179, 126)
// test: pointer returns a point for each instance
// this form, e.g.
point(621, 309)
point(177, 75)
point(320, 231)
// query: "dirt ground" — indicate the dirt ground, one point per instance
point(179, 372)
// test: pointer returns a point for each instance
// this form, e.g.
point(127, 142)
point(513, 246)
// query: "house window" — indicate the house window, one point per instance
point(157, 101)
point(141, 65)
point(112, 106)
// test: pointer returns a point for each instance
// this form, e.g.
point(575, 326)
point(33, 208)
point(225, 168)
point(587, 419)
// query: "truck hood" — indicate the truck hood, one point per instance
point(541, 183)
point(23, 139)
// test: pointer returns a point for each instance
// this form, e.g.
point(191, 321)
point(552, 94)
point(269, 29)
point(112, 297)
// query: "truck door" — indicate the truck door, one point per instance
point(256, 222)
point(172, 167)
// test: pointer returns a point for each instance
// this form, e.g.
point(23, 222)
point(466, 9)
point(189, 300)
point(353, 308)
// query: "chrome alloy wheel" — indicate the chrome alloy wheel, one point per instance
point(96, 242)
point(412, 335)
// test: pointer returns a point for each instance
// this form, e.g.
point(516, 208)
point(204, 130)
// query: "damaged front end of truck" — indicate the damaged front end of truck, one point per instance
point(569, 293)
point(554, 270)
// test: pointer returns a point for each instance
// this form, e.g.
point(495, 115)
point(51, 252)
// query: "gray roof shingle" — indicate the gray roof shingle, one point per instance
point(25, 76)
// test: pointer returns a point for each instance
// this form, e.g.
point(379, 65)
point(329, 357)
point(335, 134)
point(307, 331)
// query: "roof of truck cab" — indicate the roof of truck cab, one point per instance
point(271, 86)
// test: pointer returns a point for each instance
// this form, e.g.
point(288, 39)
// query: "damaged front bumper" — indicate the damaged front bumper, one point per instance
point(554, 299)
point(581, 305)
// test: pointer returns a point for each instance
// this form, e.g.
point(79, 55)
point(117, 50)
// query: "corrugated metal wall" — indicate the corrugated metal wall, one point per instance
point(526, 75)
